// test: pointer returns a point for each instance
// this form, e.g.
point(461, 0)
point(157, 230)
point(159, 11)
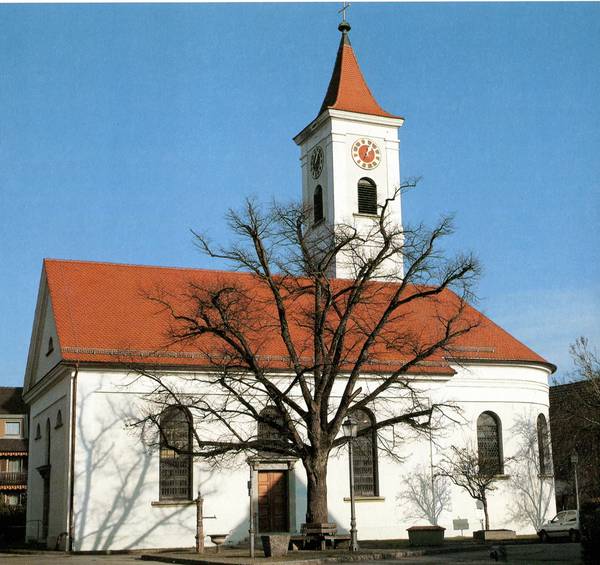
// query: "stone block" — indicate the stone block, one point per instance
point(275, 545)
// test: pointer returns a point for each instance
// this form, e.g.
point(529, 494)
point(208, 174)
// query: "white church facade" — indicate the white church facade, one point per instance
point(95, 484)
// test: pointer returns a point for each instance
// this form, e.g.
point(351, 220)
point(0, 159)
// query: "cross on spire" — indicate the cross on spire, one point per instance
point(345, 6)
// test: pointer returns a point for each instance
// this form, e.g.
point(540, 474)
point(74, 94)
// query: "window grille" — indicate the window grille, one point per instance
point(367, 197)
point(175, 469)
point(489, 445)
point(265, 430)
point(544, 445)
point(364, 455)
point(318, 204)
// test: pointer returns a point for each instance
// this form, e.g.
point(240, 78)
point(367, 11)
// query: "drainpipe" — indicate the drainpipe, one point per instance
point(72, 458)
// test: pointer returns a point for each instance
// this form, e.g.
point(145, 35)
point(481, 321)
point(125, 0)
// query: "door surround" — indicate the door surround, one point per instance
point(286, 464)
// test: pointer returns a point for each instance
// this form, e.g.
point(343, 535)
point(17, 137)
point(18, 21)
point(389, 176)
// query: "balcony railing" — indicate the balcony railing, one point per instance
point(13, 478)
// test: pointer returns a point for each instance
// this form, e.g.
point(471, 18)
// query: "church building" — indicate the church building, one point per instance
point(96, 483)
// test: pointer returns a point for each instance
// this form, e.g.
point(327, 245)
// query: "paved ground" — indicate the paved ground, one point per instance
point(530, 554)
point(533, 554)
point(63, 559)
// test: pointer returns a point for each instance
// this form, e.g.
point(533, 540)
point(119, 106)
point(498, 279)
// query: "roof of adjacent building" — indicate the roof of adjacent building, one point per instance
point(11, 400)
point(104, 314)
point(13, 446)
point(348, 89)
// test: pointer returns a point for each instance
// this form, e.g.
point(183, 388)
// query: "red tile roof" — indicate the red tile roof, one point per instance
point(103, 314)
point(347, 88)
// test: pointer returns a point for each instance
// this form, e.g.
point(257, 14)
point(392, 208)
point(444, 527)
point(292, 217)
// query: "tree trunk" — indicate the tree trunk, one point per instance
point(485, 513)
point(316, 493)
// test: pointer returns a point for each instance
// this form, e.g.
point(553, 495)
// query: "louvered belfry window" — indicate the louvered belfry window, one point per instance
point(364, 456)
point(367, 197)
point(544, 445)
point(318, 204)
point(489, 444)
point(175, 455)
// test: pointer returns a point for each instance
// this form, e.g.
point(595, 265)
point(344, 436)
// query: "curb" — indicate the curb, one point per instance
point(375, 556)
point(370, 556)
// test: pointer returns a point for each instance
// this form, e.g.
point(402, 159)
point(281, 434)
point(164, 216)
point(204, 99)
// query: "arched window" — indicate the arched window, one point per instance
point(489, 444)
point(38, 432)
point(367, 196)
point(544, 445)
point(59, 421)
point(364, 455)
point(48, 446)
point(267, 431)
point(175, 469)
point(318, 204)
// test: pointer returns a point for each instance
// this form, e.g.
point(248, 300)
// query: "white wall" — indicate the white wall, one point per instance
point(46, 407)
point(116, 479)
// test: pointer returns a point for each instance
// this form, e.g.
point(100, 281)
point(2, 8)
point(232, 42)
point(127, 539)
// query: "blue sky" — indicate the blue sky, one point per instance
point(122, 126)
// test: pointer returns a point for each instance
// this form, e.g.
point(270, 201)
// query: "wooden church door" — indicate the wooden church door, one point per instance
point(273, 506)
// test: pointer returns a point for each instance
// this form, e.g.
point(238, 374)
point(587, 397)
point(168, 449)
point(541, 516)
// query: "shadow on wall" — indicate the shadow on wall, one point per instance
point(240, 533)
point(112, 493)
point(108, 511)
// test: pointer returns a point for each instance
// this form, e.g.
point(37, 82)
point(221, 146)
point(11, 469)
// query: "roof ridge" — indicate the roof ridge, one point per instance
point(141, 266)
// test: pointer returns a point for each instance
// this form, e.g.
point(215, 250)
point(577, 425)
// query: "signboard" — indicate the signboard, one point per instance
point(460, 524)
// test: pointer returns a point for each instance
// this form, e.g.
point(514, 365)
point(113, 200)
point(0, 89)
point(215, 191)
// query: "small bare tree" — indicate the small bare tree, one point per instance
point(329, 333)
point(463, 468)
point(531, 479)
point(427, 493)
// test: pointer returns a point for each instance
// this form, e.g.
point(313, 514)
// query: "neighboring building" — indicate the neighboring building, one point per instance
point(94, 484)
point(13, 447)
point(574, 424)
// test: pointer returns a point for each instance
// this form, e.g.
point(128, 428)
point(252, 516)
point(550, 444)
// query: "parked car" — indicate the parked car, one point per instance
point(564, 524)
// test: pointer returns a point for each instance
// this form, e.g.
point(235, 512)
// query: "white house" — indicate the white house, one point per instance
point(95, 484)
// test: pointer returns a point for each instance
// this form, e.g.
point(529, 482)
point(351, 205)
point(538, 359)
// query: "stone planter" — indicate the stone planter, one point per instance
point(218, 540)
point(494, 535)
point(426, 535)
point(275, 545)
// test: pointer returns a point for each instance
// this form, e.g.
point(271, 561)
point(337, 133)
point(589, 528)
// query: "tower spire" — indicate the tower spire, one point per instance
point(347, 88)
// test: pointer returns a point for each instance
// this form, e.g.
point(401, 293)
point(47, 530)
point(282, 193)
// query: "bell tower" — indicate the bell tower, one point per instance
point(349, 158)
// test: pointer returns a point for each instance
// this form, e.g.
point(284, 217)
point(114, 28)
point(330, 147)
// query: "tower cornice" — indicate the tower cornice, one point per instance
point(393, 121)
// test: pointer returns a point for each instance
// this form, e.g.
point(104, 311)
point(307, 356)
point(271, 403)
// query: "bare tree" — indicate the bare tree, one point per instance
point(575, 421)
point(427, 493)
point(463, 467)
point(531, 474)
point(330, 333)
point(587, 370)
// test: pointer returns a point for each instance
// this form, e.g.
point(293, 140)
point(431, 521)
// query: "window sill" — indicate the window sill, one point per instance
point(502, 477)
point(172, 502)
point(363, 215)
point(365, 499)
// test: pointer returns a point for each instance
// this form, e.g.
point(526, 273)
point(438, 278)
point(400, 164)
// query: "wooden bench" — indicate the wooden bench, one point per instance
point(318, 536)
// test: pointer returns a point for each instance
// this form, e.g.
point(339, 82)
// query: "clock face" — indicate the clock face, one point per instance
point(316, 162)
point(366, 153)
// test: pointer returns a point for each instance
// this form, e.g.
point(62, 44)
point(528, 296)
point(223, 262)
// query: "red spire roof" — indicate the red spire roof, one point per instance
point(347, 88)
